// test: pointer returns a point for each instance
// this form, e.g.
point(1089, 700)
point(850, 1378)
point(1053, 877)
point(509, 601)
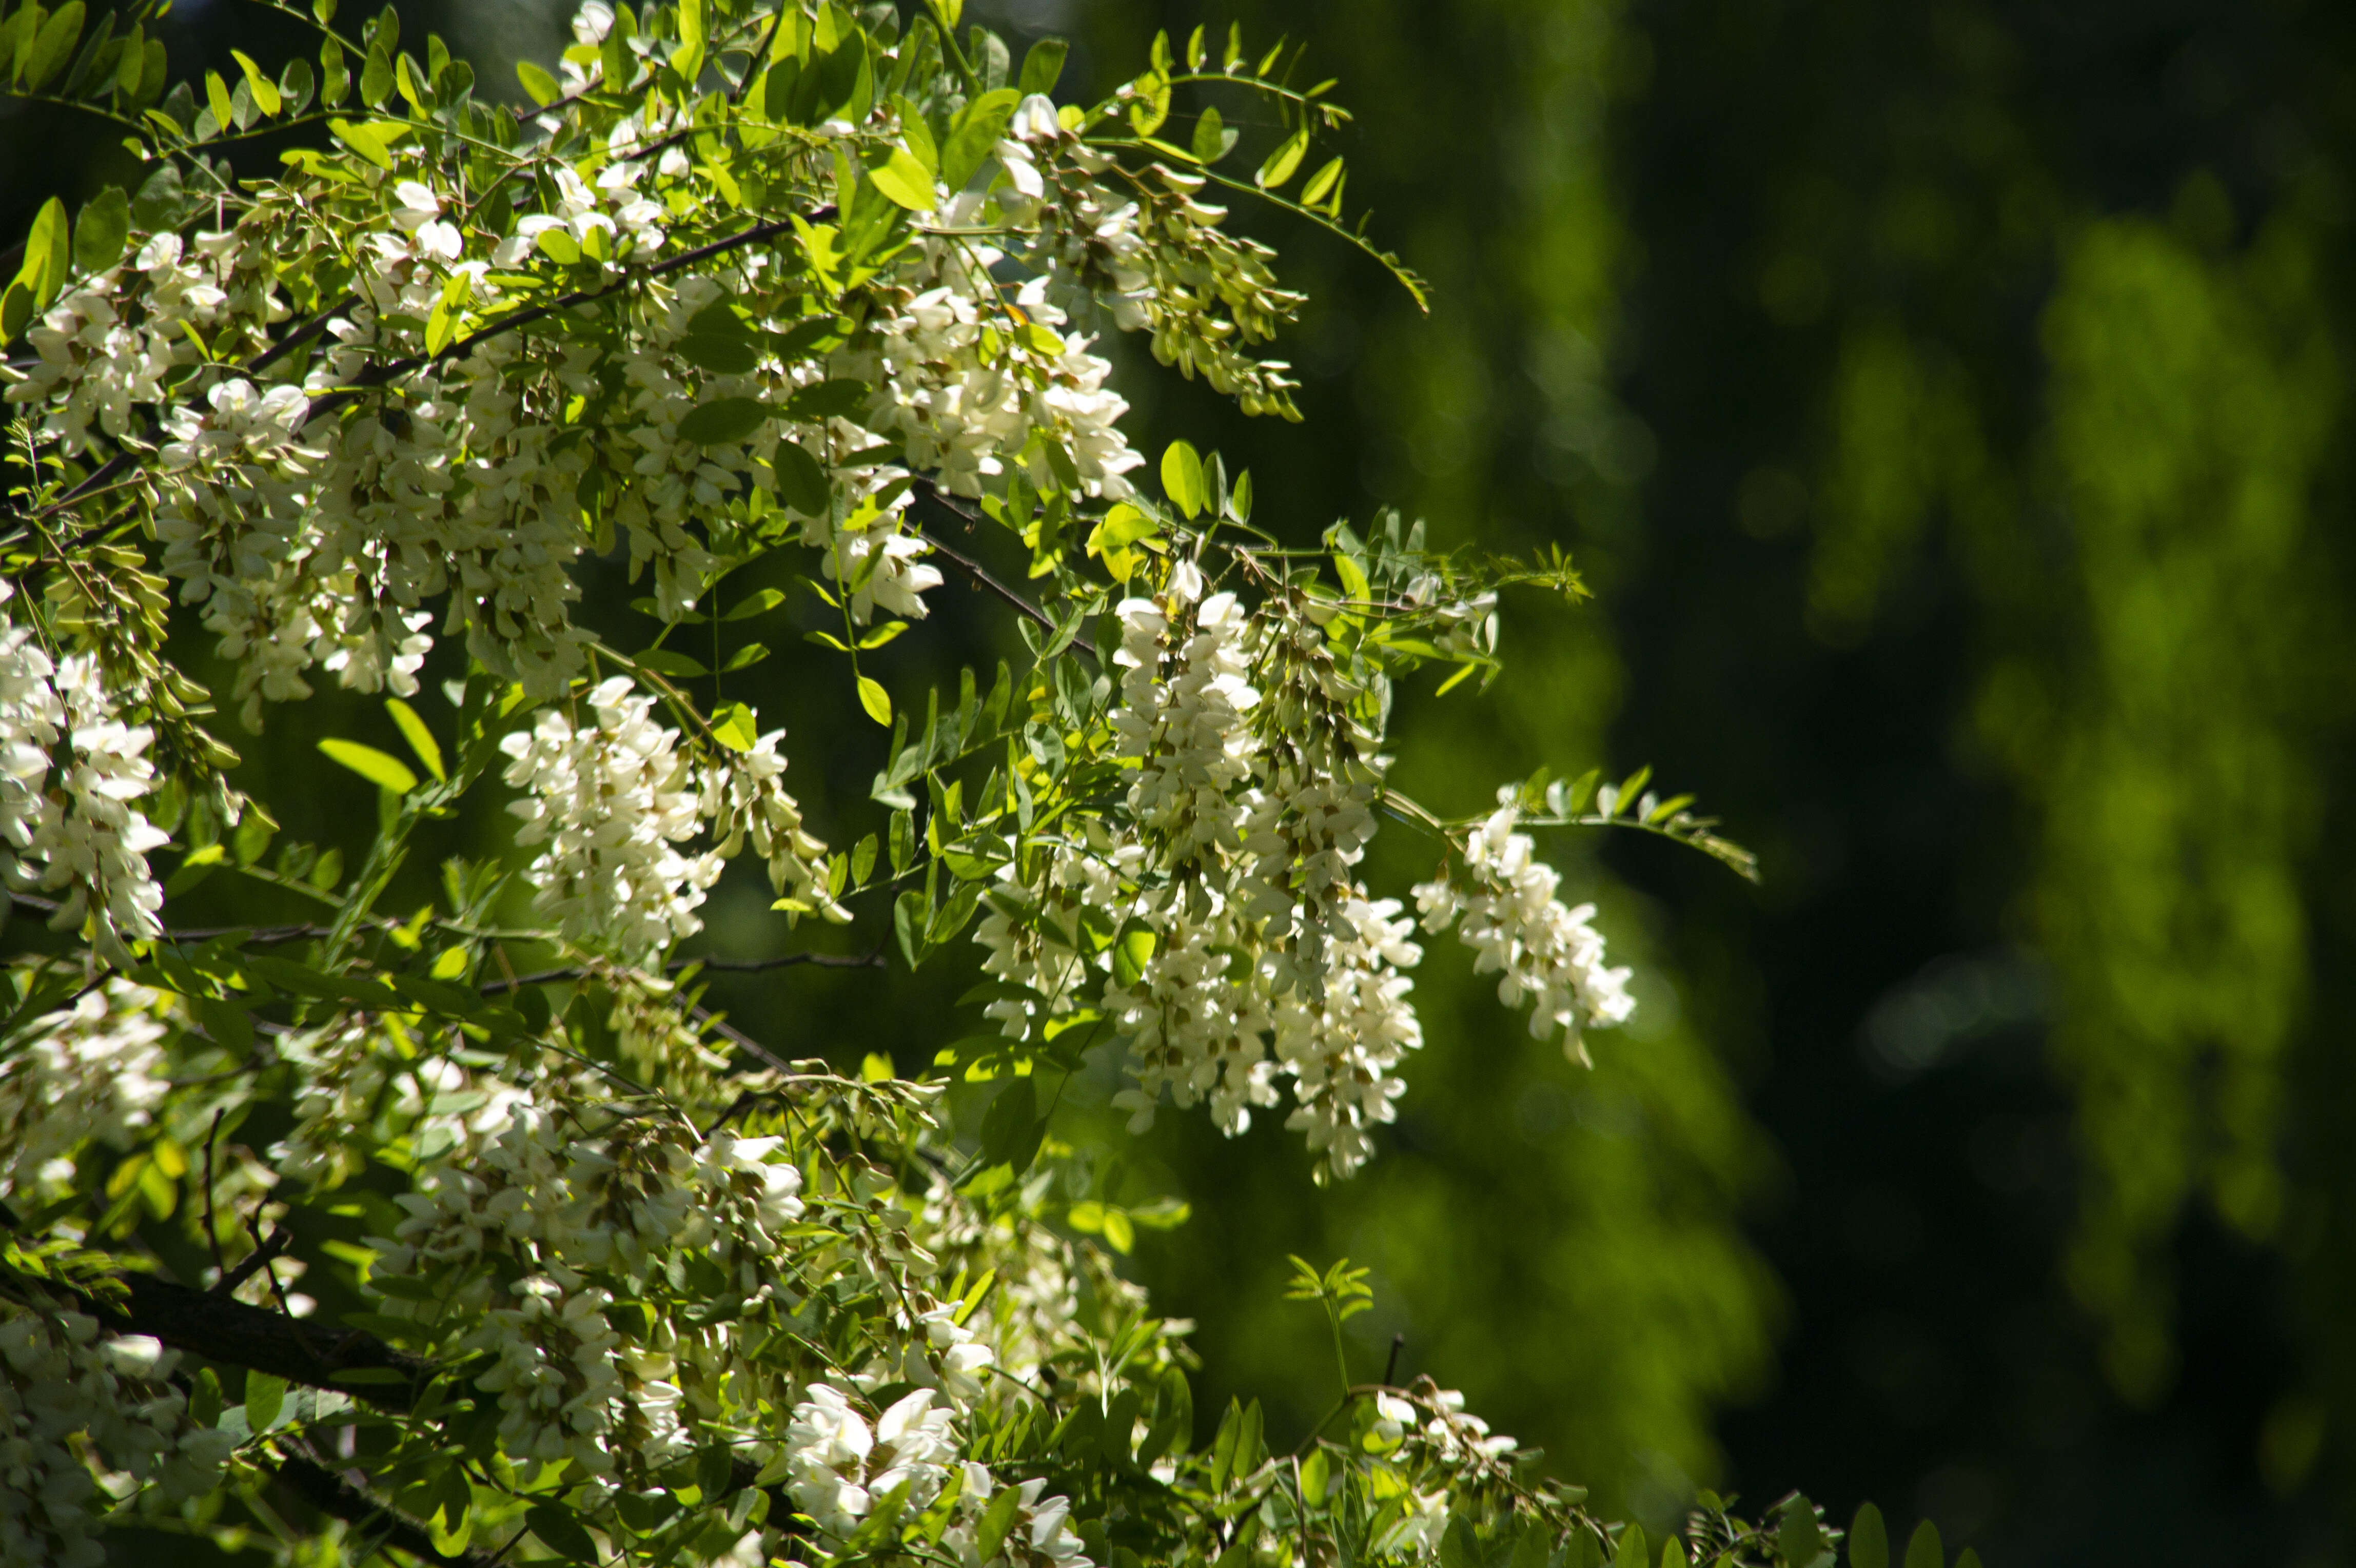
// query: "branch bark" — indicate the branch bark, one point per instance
point(983, 575)
point(221, 1329)
point(330, 1493)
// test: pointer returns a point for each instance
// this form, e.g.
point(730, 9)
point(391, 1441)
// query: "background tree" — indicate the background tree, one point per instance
point(1802, 432)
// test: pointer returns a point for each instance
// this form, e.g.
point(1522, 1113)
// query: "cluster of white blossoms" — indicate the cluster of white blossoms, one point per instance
point(1256, 769)
point(838, 1467)
point(1039, 1535)
point(72, 1399)
point(611, 802)
point(533, 1233)
point(1186, 726)
point(68, 822)
point(1546, 956)
point(95, 1070)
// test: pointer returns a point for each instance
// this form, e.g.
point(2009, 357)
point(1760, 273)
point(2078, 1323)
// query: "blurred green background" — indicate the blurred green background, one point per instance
point(1946, 402)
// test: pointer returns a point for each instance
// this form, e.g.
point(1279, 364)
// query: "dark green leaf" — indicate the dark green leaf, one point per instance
point(801, 483)
point(100, 232)
point(723, 420)
point(1869, 1544)
point(561, 1531)
point(1042, 66)
point(723, 356)
point(840, 398)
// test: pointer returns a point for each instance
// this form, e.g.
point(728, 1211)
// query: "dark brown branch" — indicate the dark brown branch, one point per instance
point(221, 1329)
point(302, 1474)
point(982, 574)
point(253, 1263)
point(677, 966)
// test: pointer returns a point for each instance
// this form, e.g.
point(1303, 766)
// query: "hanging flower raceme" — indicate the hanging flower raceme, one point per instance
point(1546, 956)
point(611, 802)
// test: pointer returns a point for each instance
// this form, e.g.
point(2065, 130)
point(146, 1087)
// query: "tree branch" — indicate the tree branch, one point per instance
point(222, 1330)
point(727, 965)
point(325, 1490)
point(928, 490)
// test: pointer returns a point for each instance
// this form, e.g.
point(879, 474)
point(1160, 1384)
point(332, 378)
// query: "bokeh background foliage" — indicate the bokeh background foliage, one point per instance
point(1946, 403)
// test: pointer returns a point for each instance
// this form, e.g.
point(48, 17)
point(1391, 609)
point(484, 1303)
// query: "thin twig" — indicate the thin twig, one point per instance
point(980, 574)
point(677, 966)
point(264, 1254)
point(212, 1226)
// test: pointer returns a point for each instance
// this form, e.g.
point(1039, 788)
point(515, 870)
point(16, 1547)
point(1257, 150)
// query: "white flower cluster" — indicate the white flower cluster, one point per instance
point(1261, 957)
point(1188, 732)
point(109, 342)
point(745, 799)
point(614, 801)
point(578, 1222)
point(838, 1467)
point(1039, 1535)
point(71, 1398)
point(66, 822)
point(95, 1070)
point(1344, 1042)
point(365, 1076)
point(611, 801)
point(973, 383)
point(1545, 955)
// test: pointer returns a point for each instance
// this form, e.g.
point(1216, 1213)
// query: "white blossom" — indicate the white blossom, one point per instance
point(1545, 955)
point(611, 801)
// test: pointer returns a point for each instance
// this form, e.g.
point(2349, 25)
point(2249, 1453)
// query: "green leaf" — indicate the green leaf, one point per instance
point(977, 128)
point(1799, 1540)
point(801, 483)
point(1632, 1552)
point(1923, 1551)
point(327, 870)
point(672, 662)
point(842, 397)
point(1283, 162)
point(264, 91)
point(724, 356)
point(1012, 1127)
point(544, 87)
point(1321, 183)
point(734, 727)
point(561, 1531)
point(265, 1396)
point(906, 181)
point(380, 768)
point(1133, 952)
point(875, 699)
point(558, 245)
point(723, 420)
point(1042, 66)
point(420, 739)
point(1869, 1544)
point(216, 99)
point(997, 1520)
point(1211, 137)
point(372, 139)
point(689, 60)
point(376, 77)
point(1182, 478)
point(100, 230)
point(46, 256)
point(760, 602)
point(51, 44)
